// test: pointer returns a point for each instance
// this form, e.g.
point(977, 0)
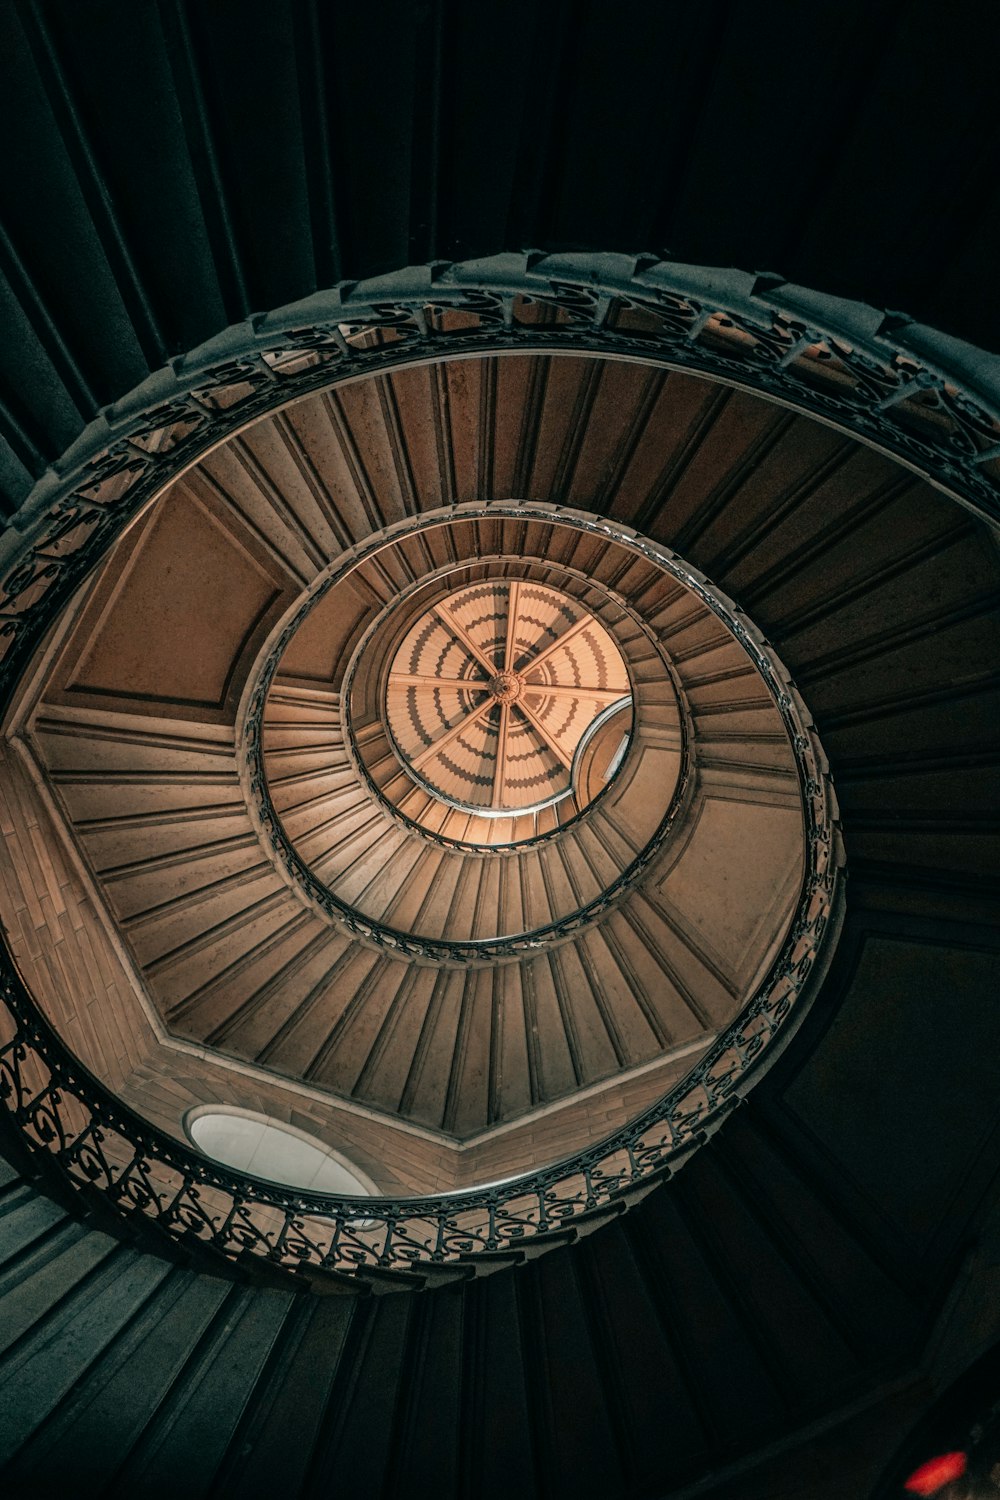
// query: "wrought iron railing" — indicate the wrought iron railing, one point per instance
point(876, 378)
point(93, 1142)
point(865, 381)
point(383, 935)
point(75, 1126)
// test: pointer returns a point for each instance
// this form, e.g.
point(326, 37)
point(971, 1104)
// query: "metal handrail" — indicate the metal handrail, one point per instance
point(816, 355)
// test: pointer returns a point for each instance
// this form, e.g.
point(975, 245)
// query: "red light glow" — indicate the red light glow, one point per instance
point(936, 1473)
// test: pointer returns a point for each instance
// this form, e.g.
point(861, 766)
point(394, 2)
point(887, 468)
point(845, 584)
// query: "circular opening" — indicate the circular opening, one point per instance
point(276, 1152)
point(493, 692)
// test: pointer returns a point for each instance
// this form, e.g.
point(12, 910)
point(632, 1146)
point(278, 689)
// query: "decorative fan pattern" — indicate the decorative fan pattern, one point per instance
point(493, 690)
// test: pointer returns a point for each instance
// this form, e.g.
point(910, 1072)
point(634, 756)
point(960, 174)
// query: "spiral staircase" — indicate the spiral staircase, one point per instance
point(250, 855)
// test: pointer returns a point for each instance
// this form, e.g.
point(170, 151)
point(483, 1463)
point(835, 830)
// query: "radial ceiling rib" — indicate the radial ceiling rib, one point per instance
point(543, 734)
point(500, 767)
point(421, 680)
point(563, 640)
point(513, 603)
point(450, 735)
point(460, 633)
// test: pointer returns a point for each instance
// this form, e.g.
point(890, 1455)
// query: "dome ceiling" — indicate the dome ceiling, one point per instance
point(493, 691)
point(476, 818)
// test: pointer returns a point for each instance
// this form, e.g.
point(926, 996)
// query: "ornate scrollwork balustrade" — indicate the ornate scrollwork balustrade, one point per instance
point(79, 1132)
point(76, 1129)
point(877, 377)
point(859, 375)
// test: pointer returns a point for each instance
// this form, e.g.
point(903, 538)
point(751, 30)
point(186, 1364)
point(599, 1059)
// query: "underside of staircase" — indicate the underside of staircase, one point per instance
point(772, 1319)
